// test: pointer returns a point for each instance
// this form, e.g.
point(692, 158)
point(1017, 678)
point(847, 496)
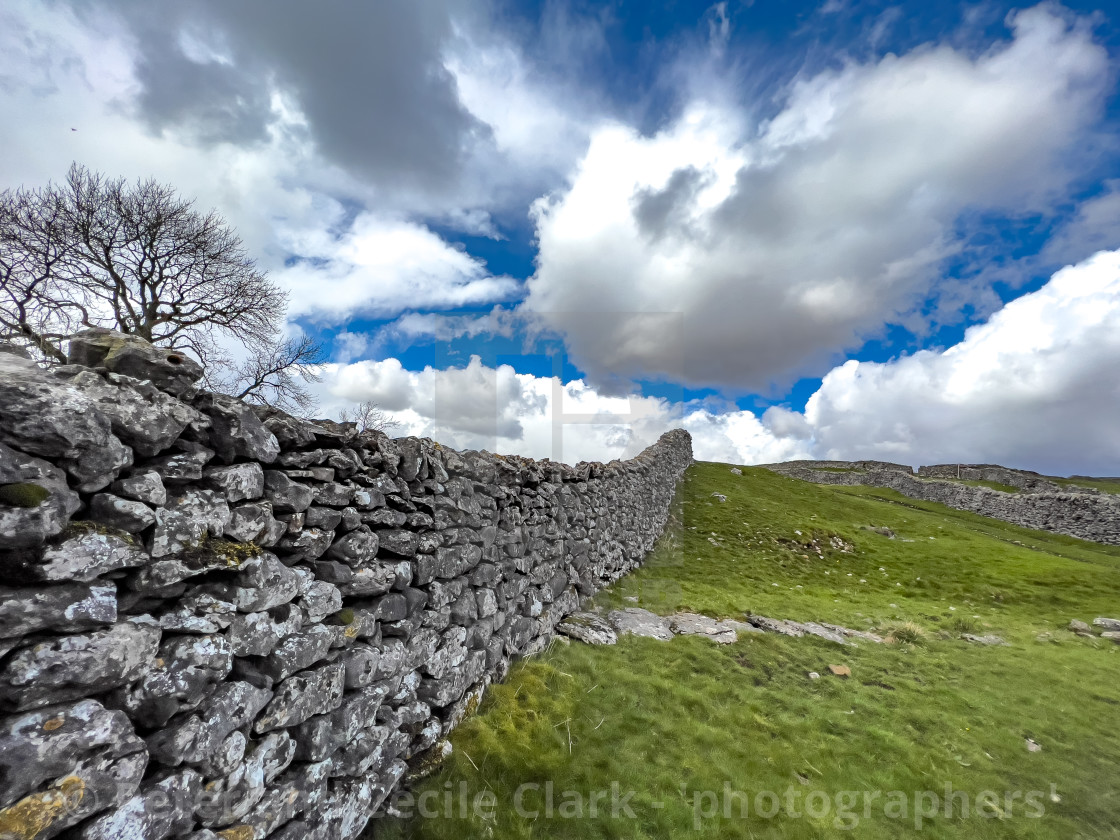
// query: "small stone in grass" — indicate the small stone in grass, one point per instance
point(840, 670)
point(813, 675)
point(1033, 746)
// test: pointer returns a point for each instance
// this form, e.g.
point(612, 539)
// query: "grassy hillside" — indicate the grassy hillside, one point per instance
point(695, 730)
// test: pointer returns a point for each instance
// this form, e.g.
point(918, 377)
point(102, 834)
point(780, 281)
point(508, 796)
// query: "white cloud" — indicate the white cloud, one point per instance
point(783, 248)
point(381, 267)
point(1034, 387)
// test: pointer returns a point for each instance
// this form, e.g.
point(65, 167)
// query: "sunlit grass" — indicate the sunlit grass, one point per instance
point(676, 721)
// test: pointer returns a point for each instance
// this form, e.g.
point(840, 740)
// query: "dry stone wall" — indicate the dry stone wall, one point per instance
point(222, 621)
point(1086, 514)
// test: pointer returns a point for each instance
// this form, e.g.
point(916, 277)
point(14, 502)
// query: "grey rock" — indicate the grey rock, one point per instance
point(589, 628)
point(299, 697)
point(1111, 635)
point(168, 370)
point(258, 633)
point(299, 789)
point(70, 667)
point(35, 500)
point(296, 652)
point(235, 431)
point(1080, 628)
point(163, 808)
point(635, 621)
point(320, 600)
point(252, 522)
point(178, 680)
point(146, 487)
point(84, 553)
point(141, 415)
point(307, 544)
point(231, 798)
point(66, 608)
point(263, 583)
point(286, 495)
point(188, 519)
point(984, 640)
point(125, 514)
point(237, 483)
point(323, 518)
point(196, 739)
point(400, 542)
point(199, 613)
point(691, 624)
point(1111, 624)
point(181, 467)
point(291, 432)
point(45, 416)
point(50, 743)
point(355, 548)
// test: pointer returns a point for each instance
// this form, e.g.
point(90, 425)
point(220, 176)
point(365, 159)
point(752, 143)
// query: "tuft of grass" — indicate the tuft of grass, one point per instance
point(905, 633)
point(676, 721)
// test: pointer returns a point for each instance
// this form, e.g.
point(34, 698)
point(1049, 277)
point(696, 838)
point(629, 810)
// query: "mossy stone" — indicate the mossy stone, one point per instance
point(23, 495)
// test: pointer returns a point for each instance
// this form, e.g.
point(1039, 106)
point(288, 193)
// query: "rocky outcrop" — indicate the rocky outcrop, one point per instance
point(1085, 513)
point(220, 620)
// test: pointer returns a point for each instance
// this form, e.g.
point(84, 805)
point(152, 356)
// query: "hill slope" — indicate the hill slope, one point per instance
point(696, 730)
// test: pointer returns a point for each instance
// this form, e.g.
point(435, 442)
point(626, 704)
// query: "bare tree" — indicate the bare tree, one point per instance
point(95, 252)
point(272, 376)
point(368, 416)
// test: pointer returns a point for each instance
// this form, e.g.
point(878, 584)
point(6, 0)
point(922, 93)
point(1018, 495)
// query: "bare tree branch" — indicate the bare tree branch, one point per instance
point(138, 258)
point(368, 417)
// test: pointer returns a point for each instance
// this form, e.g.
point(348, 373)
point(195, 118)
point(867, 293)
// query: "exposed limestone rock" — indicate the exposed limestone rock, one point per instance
point(589, 628)
point(125, 514)
point(70, 667)
point(47, 417)
point(168, 370)
point(635, 621)
point(235, 431)
point(35, 500)
point(65, 608)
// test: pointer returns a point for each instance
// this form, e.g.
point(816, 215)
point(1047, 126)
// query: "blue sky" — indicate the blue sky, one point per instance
point(697, 214)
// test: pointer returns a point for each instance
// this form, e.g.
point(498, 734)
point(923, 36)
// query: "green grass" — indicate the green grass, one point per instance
point(1105, 485)
point(675, 721)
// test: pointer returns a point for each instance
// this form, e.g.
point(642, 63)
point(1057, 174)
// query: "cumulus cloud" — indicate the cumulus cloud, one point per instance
point(1034, 387)
point(782, 246)
point(381, 267)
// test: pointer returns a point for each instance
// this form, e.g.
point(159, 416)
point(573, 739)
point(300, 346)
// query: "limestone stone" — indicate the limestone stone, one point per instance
point(35, 500)
point(235, 431)
point(163, 808)
point(124, 514)
point(168, 370)
point(44, 416)
point(66, 608)
point(237, 483)
point(303, 695)
point(84, 553)
point(141, 415)
point(636, 621)
point(590, 628)
point(286, 495)
point(69, 667)
point(178, 680)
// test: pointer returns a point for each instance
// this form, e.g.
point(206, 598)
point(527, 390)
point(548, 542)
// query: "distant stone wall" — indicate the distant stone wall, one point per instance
point(221, 621)
point(1090, 516)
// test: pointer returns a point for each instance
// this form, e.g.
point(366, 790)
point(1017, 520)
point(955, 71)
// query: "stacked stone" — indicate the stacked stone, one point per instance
point(1088, 516)
point(220, 620)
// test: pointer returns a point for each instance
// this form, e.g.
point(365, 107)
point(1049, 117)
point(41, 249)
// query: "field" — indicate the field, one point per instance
point(687, 738)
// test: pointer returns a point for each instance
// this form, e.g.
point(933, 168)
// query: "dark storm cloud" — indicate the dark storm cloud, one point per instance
point(368, 77)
